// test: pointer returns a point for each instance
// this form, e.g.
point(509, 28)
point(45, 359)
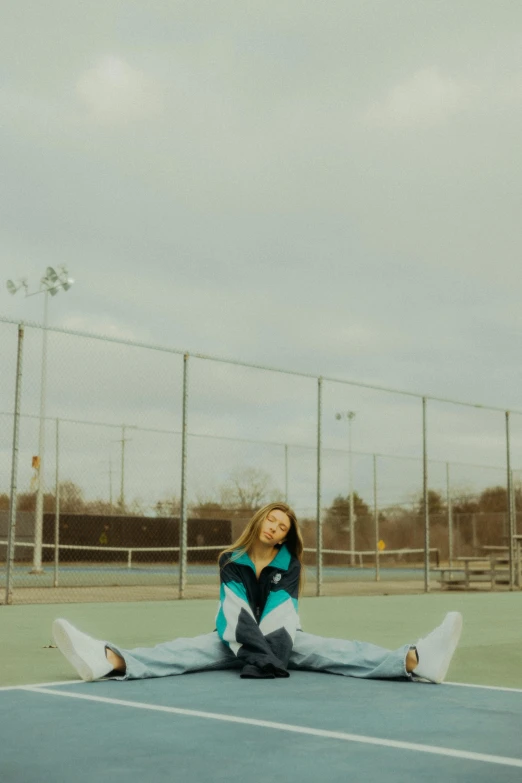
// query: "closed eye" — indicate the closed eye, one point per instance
point(282, 526)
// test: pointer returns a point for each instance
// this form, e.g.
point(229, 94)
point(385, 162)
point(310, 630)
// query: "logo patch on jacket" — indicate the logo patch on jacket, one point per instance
point(276, 578)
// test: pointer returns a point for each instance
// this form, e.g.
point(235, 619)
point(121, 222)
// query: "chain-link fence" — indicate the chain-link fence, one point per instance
point(126, 469)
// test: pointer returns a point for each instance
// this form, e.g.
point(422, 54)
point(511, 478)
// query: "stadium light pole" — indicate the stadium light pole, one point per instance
point(350, 415)
point(50, 285)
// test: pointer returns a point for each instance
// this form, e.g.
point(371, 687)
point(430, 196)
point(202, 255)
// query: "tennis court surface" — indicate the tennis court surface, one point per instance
point(211, 726)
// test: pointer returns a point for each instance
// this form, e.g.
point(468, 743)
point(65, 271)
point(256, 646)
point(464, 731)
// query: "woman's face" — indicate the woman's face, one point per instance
point(274, 527)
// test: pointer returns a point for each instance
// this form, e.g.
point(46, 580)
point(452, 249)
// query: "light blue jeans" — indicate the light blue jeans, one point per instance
point(313, 653)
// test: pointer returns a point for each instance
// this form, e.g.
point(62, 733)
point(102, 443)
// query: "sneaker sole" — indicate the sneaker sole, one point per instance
point(66, 647)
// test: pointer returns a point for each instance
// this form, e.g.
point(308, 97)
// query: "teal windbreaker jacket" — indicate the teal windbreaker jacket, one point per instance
point(257, 618)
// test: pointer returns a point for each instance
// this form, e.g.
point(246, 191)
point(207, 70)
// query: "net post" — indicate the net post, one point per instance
point(11, 539)
point(319, 526)
point(183, 496)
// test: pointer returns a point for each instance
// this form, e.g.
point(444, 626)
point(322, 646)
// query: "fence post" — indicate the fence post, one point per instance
point(286, 472)
point(122, 469)
point(510, 507)
point(351, 416)
point(11, 538)
point(57, 507)
point(376, 520)
point(514, 505)
point(425, 499)
point(319, 528)
point(450, 515)
point(183, 498)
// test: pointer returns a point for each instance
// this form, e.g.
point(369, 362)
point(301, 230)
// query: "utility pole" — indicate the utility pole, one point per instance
point(123, 441)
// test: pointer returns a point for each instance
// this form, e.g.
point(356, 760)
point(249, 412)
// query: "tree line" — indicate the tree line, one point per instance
point(478, 519)
point(245, 489)
point(249, 488)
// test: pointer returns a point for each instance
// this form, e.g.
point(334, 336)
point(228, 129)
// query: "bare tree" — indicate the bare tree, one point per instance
point(71, 497)
point(248, 488)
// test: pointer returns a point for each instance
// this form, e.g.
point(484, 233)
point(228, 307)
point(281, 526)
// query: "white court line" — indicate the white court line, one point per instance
point(340, 735)
point(485, 687)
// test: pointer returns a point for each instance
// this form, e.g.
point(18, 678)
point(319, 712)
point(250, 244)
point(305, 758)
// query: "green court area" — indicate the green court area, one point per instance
point(489, 652)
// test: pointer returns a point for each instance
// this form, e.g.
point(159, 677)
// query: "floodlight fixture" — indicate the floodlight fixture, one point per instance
point(50, 278)
point(63, 279)
point(13, 287)
point(50, 283)
point(54, 280)
point(345, 415)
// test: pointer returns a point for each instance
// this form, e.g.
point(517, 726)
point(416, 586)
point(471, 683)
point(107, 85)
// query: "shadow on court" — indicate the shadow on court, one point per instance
point(214, 726)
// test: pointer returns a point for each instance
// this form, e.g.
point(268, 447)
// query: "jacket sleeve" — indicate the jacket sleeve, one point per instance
point(280, 621)
point(238, 628)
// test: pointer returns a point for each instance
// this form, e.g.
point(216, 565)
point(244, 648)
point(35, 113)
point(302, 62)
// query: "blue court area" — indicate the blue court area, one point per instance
point(88, 574)
point(213, 726)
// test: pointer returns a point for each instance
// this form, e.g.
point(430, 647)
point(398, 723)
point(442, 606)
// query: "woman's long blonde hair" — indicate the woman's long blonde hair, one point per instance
point(293, 540)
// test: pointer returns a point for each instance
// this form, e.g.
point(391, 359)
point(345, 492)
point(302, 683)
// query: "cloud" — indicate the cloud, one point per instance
point(111, 93)
point(114, 92)
point(426, 98)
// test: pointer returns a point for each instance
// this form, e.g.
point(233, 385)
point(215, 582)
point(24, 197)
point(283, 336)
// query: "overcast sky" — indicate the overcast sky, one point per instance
point(328, 187)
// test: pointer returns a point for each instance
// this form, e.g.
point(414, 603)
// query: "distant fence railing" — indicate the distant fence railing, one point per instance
point(130, 551)
point(359, 554)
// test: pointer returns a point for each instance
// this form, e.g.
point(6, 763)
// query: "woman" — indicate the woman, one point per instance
point(257, 625)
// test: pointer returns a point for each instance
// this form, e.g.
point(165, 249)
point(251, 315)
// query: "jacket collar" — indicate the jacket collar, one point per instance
point(280, 561)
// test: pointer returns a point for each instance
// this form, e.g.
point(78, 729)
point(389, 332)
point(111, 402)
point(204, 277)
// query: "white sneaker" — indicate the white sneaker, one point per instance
point(436, 650)
point(85, 654)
